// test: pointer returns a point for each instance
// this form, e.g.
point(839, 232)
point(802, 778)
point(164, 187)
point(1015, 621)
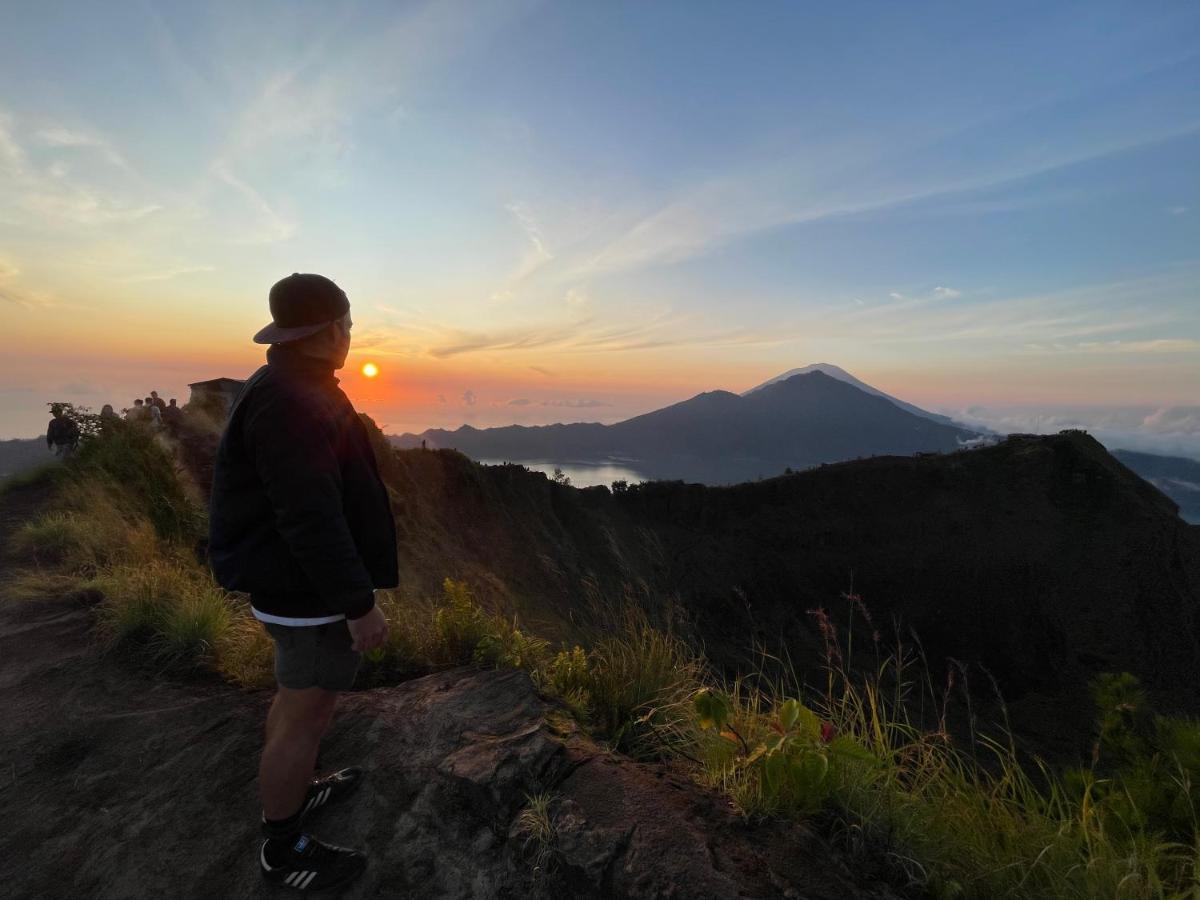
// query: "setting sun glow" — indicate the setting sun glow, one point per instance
point(370, 370)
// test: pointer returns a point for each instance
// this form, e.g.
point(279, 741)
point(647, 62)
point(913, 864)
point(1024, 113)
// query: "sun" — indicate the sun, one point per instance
point(370, 370)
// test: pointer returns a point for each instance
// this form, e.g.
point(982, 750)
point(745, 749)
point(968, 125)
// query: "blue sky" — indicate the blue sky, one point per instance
point(600, 208)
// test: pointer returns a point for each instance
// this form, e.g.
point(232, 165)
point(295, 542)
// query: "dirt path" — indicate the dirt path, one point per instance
point(117, 783)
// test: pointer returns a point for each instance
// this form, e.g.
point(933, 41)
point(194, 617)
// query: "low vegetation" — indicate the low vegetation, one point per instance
point(930, 814)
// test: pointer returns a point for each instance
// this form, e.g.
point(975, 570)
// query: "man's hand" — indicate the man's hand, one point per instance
point(369, 631)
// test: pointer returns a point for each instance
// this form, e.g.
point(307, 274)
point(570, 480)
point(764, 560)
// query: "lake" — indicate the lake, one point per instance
point(582, 474)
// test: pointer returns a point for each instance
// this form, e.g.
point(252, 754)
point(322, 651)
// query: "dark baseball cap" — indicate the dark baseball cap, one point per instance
point(302, 304)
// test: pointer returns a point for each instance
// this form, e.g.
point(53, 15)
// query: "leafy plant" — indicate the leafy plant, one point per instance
point(790, 760)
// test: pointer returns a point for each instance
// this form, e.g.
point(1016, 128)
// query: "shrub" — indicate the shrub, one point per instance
point(459, 624)
point(451, 631)
point(1145, 767)
point(639, 688)
point(568, 676)
point(87, 533)
point(504, 644)
point(178, 617)
point(782, 761)
point(132, 462)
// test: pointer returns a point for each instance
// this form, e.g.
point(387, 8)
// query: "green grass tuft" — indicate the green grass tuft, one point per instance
point(176, 617)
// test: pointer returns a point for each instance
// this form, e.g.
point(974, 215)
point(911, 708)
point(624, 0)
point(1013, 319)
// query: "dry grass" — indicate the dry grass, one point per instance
point(85, 531)
point(175, 615)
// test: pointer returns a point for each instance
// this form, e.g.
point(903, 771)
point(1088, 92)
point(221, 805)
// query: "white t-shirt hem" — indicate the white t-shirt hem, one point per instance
point(288, 620)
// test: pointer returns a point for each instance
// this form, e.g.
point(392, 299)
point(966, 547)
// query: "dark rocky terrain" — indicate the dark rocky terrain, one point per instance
point(121, 783)
point(1043, 559)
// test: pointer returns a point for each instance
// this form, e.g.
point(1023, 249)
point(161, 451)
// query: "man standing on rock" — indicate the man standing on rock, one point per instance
point(301, 521)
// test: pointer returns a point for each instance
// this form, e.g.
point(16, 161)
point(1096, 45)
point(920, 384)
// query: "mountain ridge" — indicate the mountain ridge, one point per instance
point(721, 437)
point(1042, 558)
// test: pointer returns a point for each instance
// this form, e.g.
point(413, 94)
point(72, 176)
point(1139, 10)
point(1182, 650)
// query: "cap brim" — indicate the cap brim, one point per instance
point(274, 334)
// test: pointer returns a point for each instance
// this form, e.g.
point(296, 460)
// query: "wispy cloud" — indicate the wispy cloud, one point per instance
point(1153, 346)
point(538, 254)
point(65, 137)
point(583, 403)
point(271, 226)
point(1066, 318)
point(167, 274)
point(48, 195)
point(1170, 430)
point(14, 294)
point(567, 403)
point(715, 213)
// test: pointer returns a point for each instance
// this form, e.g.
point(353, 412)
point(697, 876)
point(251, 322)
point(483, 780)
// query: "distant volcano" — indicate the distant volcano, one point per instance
point(842, 375)
point(798, 420)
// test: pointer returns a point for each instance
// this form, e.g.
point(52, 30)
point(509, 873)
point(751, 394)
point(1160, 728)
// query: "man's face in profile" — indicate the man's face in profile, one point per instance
point(341, 337)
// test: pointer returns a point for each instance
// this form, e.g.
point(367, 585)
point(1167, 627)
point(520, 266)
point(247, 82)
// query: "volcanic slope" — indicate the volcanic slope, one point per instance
point(719, 437)
point(1042, 559)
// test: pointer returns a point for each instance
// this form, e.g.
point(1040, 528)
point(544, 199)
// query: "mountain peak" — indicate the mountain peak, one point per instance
point(840, 374)
point(828, 369)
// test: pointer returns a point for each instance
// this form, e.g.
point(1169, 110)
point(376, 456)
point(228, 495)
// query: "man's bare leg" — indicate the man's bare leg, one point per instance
point(296, 723)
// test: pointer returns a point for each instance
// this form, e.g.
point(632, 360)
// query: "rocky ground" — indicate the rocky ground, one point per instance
point(117, 782)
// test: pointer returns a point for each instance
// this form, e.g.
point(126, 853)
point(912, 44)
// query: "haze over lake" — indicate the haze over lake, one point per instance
point(582, 474)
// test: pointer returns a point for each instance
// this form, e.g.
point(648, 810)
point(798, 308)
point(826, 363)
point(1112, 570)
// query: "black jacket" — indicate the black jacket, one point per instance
point(299, 517)
point(62, 431)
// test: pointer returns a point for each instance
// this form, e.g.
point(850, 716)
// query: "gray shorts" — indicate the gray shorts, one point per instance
point(314, 655)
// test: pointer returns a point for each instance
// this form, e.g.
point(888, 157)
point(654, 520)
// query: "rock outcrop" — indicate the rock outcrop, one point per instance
point(118, 782)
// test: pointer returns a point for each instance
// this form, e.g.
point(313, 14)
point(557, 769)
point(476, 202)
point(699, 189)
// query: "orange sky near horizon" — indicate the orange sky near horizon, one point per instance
point(113, 351)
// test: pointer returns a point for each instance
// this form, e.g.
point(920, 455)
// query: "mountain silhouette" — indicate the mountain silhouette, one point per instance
point(719, 437)
point(1176, 476)
point(842, 375)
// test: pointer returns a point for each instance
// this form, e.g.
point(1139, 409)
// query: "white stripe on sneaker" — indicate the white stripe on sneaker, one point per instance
point(291, 877)
point(325, 795)
point(304, 884)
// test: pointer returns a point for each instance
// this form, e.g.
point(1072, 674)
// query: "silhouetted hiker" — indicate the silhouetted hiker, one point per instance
point(172, 416)
point(63, 434)
point(301, 521)
point(155, 400)
point(108, 416)
point(153, 414)
point(136, 413)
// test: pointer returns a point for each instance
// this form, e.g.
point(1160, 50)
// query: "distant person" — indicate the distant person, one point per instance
point(135, 413)
point(62, 436)
point(301, 521)
point(108, 416)
point(155, 416)
point(155, 400)
point(172, 416)
point(151, 414)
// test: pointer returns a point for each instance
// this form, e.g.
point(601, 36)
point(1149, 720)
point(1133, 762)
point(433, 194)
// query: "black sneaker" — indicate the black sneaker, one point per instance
point(313, 865)
point(330, 789)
